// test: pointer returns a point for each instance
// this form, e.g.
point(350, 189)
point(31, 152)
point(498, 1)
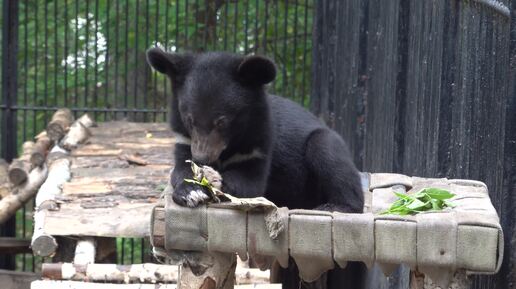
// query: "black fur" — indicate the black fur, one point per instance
point(219, 101)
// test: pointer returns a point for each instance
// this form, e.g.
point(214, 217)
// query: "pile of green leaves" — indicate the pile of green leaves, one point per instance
point(429, 199)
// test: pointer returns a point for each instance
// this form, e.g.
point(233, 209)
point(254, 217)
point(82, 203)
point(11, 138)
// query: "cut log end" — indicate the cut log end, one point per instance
point(60, 123)
point(40, 150)
point(56, 130)
point(44, 245)
point(37, 159)
point(18, 175)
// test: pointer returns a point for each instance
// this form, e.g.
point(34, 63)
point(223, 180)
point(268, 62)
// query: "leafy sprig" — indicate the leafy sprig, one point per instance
point(429, 199)
point(198, 178)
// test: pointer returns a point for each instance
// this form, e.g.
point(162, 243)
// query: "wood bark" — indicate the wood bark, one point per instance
point(21, 194)
point(60, 123)
point(40, 150)
point(20, 168)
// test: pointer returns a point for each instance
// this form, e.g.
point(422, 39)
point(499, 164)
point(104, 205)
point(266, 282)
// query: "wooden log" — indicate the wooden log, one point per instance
point(60, 123)
point(40, 150)
point(138, 273)
point(115, 220)
point(20, 168)
point(43, 244)
point(86, 120)
point(85, 251)
point(21, 194)
point(5, 188)
point(77, 134)
point(459, 280)
point(58, 174)
point(218, 272)
point(52, 284)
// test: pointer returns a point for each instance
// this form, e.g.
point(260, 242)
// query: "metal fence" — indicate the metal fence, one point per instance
point(89, 56)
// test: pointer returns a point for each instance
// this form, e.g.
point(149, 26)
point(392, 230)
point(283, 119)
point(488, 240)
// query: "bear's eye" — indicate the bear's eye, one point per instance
point(221, 122)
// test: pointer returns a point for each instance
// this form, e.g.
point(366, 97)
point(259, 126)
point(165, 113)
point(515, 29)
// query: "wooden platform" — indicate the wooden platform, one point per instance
point(117, 177)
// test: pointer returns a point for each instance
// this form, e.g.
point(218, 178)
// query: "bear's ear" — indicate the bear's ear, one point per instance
point(257, 70)
point(168, 63)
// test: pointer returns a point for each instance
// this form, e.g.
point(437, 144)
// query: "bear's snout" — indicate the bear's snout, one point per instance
point(206, 149)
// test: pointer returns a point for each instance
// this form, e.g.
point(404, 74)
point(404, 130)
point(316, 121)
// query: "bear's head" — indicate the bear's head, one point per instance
point(219, 96)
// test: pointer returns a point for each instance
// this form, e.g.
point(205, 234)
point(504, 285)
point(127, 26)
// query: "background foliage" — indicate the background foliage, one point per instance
point(90, 56)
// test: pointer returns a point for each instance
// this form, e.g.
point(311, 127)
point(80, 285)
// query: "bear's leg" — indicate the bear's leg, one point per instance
point(337, 179)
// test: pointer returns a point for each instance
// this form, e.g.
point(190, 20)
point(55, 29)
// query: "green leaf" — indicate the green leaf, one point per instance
point(404, 196)
point(439, 194)
point(416, 204)
point(427, 199)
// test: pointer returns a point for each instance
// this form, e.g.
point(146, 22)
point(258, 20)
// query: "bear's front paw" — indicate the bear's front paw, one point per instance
point(189, 195)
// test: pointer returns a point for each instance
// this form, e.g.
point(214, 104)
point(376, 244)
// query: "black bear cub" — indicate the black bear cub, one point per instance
point(261, 144)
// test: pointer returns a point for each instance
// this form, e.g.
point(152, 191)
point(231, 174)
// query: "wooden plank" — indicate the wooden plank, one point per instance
point(131, 186)
point(131, 220)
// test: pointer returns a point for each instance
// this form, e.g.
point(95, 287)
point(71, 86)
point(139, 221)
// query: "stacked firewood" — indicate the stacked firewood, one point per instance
point(29, 171)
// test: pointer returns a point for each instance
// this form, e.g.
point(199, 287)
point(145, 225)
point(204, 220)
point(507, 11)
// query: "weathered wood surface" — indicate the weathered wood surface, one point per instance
point(119, 173)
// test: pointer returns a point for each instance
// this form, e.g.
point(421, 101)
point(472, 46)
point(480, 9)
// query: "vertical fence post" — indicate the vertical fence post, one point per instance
point(9, 89)
point(9, 77)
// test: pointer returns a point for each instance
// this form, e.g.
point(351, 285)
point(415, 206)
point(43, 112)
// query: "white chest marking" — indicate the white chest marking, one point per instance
point(182, 139)
point(238, 158)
